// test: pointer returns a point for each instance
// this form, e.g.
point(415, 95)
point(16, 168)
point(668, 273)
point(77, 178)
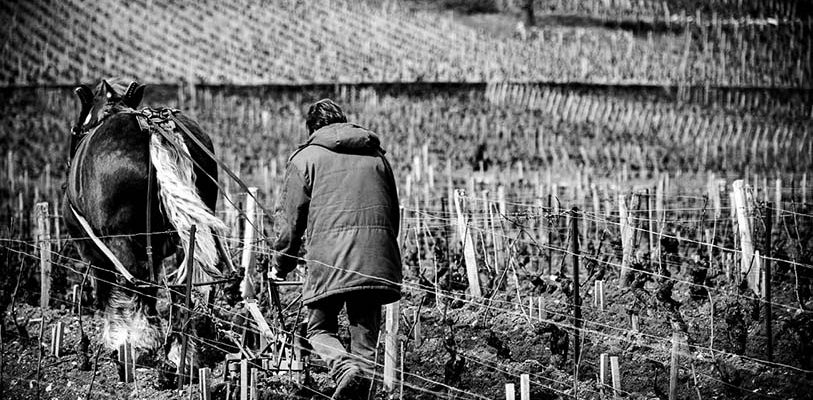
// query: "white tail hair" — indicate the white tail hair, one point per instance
point(183, 205)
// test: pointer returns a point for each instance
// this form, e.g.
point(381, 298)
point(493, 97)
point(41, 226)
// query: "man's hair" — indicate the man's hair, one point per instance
point(323, 113)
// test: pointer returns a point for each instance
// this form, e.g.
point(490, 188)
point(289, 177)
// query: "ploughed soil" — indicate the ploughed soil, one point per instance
point(472, 348)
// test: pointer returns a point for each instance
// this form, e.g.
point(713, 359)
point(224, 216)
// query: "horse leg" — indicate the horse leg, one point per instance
point(129, 310)
point(195, 324)
point(90, 254)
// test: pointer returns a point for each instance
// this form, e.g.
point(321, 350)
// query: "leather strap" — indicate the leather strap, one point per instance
point(150, 178)
point(103, 247)
point(220, 164)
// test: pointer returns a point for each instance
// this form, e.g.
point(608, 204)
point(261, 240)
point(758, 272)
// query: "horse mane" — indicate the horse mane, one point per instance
point(182, 203)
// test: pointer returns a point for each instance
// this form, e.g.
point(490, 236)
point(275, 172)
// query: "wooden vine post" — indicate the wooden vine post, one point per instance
point(468, 248)
point(401, 380)
point(416, 330)
point(190, 262)
point(767, 284)
point(204, 377)
point(602, 374)
point(615, 371)
point(75, 299)
point(733, 215)
point(501, 201)
point(247, 258)
point(598, 294)
point(44, 243)
point(393, 315)
point(449, 204)
point(525, 387)
point(713, 189)
point(577, 307)
point(265, 180)
point(252, 390)
point(627, 236)
point(596, 210)
point(651, 225)
point(447, 238)
point(550, 233)
point(57, 336)
point(678, 345)
point(57, 229)
point(539, 306)
point(417, 217)
point(245, 379)
point(743, 210)
point(659, 195)
point(778, 200)
point(510, 392)
point(126, 363)
point(496, 239)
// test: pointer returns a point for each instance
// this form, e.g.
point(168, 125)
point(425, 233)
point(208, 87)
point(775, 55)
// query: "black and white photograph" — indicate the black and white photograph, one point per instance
point(406, 199)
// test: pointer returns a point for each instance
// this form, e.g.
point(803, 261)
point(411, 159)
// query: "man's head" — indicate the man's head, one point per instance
point(323, 113)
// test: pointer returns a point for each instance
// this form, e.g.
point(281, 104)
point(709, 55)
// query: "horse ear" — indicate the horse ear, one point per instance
point(108, 89)
point(84, 94)
point(134, 94)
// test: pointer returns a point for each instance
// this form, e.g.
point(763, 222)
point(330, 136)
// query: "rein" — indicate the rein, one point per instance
point(148, 249)
point(169, 114)
point(220, 164)
point(144, 117)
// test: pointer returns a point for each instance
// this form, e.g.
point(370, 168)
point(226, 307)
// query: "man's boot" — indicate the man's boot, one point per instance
point(352, 386)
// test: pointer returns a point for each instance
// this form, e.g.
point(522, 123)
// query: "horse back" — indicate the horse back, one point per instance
point(108, 178)
point(108, 173)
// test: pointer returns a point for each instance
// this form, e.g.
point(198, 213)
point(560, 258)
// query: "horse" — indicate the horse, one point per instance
point(137, 181)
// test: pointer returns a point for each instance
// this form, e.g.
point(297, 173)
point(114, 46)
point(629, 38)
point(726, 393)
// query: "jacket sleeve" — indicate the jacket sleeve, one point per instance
point(395, 217)
point(291, 220)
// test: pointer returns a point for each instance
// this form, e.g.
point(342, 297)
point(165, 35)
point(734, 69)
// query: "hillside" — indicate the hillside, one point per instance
point(251, 42)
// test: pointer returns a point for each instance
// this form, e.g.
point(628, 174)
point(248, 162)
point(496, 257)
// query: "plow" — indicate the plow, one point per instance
point(267, 344)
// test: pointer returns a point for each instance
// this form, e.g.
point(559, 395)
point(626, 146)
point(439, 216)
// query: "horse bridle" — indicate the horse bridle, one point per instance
point(130, 98)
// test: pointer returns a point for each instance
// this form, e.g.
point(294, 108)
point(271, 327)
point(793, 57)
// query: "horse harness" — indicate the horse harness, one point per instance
point(149, 120)
point(161, 121)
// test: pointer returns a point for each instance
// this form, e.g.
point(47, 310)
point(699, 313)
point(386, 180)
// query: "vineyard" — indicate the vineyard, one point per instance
point(531, 160)
point(613, 202)
point(655, 9)
point(246, 42)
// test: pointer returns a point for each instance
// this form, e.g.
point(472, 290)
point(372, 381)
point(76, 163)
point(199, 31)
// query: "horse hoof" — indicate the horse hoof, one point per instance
point(150, 359)
point(220, 391)
point(167, 377)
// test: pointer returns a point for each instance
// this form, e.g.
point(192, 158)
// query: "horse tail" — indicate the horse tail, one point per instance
point(183, 205)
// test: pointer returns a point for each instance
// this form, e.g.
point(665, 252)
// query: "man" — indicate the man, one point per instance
point(339, 192)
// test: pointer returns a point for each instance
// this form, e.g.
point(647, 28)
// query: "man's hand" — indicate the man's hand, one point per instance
point(276, 275)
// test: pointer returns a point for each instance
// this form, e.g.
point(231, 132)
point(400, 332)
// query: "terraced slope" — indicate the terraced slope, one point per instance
point(282, 41)
point(775, 9)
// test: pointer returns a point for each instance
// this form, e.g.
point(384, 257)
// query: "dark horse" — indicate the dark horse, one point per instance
point(116, 151)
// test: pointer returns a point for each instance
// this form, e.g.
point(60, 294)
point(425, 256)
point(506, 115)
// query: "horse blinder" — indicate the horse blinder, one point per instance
point(133, 95)
point(85, 96)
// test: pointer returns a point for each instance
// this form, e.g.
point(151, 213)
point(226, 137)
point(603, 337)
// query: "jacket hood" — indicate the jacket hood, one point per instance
point(345, 138)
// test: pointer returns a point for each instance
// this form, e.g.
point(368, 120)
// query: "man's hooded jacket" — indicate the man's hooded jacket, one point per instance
point(339, 192)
